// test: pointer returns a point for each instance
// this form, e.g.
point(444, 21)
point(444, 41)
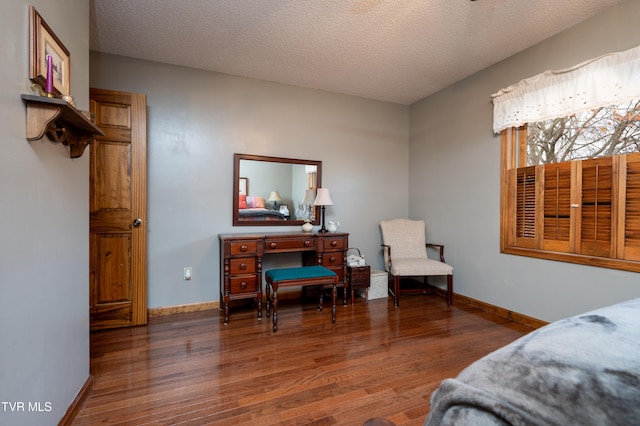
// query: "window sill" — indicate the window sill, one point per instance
point(601, 262)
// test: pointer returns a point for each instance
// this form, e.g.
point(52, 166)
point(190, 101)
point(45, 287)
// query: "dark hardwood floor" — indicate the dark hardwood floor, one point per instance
point(376, 361)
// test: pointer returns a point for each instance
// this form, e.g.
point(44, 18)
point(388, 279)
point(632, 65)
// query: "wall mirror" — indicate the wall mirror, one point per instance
point(274, 191)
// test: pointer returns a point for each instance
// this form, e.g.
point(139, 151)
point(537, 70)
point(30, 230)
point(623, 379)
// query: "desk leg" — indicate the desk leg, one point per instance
point(268, 294)
point(334, 293)
point(275, 307)
point(259, 277)
point(225, 290)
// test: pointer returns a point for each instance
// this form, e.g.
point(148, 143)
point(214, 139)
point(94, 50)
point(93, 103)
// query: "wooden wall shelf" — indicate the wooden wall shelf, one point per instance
point(61, 122)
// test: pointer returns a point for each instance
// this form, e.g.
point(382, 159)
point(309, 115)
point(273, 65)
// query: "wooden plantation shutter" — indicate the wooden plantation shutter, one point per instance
point(597, 192)
point(525, 208)
point(630, 250)
point(557, 207)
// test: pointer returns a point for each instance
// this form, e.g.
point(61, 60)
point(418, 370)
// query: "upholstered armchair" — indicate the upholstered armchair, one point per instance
point(405, 255)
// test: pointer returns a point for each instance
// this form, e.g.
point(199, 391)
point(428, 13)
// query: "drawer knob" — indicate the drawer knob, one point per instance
point(243, 266)
point(273, 245)
point(334, 243)
point(307, 243)
point(243, 248)
point(243, 285)
point(332, 259)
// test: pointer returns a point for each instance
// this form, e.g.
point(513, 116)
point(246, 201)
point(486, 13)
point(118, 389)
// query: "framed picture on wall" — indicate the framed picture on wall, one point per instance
point(43, 42)
point(244, 186)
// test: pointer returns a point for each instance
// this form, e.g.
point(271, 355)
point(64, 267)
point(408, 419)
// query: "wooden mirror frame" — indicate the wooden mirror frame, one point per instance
point(236, 190)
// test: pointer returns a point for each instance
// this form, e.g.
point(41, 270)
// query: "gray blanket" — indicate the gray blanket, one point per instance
point(583, 370)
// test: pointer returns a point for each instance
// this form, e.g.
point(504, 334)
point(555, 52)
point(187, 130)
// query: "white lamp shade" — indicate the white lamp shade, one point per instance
point(274, 196)
point(309, 196)
point(323, 198)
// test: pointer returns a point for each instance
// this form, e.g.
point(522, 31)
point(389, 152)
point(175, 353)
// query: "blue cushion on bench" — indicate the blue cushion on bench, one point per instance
point(299, 273)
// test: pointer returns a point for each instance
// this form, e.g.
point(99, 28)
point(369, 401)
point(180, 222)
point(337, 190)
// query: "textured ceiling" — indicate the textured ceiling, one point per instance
point(392, 50)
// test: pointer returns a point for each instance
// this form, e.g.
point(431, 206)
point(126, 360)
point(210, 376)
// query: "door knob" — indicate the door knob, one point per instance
point(137, 221)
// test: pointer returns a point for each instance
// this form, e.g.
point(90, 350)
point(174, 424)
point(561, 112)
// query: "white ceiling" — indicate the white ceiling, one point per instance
point(392, 50)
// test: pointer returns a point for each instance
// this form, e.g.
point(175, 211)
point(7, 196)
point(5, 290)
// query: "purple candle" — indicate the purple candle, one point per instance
point(49, 87)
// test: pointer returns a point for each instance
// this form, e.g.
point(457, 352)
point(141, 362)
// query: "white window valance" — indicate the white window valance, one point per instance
point(607, 80)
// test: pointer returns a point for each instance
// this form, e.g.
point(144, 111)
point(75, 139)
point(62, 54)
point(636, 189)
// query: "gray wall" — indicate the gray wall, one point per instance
point(198, 119)
point(44, 230)
point(455, 186)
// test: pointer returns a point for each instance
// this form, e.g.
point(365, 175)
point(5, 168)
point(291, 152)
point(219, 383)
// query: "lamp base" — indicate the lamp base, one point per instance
point(322, 229)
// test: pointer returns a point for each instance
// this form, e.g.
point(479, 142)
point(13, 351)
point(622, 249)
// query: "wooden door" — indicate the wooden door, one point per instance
point(117, 208)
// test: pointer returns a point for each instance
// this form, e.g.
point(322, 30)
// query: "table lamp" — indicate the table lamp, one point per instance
point(323, 199)
point(275, 197)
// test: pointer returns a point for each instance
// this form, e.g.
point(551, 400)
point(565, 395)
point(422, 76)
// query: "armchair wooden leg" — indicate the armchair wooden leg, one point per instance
point(396, 291)
point(449, 290)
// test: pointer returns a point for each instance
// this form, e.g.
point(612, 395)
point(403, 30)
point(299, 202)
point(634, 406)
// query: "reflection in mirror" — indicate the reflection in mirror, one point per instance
point(270, 191)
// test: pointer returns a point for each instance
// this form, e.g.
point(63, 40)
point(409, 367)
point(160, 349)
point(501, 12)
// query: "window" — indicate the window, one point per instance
point(582, 211)
point(599, 132)
point(570, 163)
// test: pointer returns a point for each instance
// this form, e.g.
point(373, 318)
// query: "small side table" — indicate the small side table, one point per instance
point(359, 277)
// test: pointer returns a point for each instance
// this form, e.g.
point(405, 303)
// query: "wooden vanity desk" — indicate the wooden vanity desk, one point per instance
point(241, 260)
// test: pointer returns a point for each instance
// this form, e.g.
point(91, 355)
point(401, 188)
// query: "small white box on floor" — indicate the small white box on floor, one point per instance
point(379, 287)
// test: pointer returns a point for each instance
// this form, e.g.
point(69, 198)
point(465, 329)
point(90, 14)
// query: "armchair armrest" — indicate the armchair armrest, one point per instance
point(441, 249)
point(387, 252)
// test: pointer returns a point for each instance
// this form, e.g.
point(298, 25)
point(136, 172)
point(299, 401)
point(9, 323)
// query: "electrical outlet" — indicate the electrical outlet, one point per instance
point(187, 273)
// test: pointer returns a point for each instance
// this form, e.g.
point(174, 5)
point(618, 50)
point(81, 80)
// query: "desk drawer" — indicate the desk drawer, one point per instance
point(243, 247)
point(247, 284)
point(359, 276)
point(360, 282)
point(243, 265)
point(334, 243)
point(332, 259)
point(289, 244)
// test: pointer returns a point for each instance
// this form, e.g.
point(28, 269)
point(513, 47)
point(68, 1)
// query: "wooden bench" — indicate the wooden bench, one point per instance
point(300, 276)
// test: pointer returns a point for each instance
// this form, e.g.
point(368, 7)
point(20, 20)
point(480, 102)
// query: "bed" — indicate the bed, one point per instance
point(259, 214)
point(253, 208)
point(581, 370)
